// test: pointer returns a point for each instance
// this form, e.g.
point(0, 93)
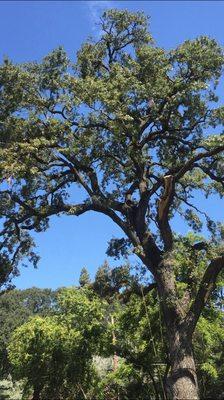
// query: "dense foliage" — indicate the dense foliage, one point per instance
point(16, 306)
point(54, 353)
point(69, 352)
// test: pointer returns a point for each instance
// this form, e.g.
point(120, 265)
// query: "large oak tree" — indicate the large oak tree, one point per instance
point(139, 130)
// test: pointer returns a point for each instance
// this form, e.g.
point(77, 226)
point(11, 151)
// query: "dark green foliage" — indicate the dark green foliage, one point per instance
point(102, 282)
point(84, 278)
point(109, 282)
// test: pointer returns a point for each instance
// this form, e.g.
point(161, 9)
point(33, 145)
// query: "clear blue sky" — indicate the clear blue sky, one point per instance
point(28, 31)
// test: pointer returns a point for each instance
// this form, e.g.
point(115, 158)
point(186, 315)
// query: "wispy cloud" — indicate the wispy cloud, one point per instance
point(95, 9)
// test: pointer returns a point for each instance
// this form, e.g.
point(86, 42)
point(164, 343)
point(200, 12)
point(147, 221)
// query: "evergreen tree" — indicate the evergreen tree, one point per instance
point(84, 278)
point(102, 282)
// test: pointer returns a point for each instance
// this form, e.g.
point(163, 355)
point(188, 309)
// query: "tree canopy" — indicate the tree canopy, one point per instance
point(123, 122)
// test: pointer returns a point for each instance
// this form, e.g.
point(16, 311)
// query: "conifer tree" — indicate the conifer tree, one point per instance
point(84, 278)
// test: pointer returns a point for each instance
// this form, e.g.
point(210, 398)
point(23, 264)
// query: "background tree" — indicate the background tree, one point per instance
point(139, 131)
point(54, 354)
point(84, 278)
point(16, 307)
point(142, 363)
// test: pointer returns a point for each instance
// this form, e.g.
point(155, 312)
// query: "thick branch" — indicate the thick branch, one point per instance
point(206, 287)
point(137, 290)
point(163, 212)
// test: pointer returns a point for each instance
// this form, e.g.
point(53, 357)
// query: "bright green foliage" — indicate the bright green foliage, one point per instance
point(124, 383)
point(84, 311)
point(41, 351)
point(16, 306)
point(57, 353)
point(141, 342)
point(209, 340)
point(54, 354)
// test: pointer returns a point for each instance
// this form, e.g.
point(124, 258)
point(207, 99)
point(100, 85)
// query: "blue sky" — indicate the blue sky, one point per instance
point(31, 29)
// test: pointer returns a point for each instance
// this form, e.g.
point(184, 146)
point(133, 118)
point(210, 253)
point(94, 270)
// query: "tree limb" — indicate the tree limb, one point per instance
point(163, 211)
point(190, 164)
point(206, 287)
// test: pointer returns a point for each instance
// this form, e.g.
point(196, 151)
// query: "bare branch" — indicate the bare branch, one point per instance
point(191, 205)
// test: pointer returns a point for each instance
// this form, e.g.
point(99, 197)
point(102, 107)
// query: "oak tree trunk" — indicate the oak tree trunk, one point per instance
point(182, 381)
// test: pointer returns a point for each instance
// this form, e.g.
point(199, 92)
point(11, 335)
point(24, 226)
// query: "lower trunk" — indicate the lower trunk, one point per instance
point(182, 380)
point(181, 383)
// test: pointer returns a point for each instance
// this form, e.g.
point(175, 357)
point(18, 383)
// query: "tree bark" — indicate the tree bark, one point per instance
point(181, 383)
